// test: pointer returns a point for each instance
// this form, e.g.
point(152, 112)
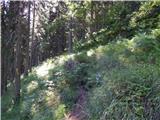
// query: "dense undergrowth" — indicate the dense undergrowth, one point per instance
point(122, 79)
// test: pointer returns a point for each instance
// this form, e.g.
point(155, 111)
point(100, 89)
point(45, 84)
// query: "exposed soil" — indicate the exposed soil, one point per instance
point(78, 110)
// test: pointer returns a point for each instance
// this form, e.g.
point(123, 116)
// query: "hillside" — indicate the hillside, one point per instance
point(119, 80)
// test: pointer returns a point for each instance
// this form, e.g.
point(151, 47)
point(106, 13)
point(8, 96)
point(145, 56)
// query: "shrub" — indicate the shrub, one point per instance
point(127, 94)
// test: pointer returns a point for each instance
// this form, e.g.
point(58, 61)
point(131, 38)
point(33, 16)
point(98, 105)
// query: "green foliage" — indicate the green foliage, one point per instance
point(146, 47)
point(52, 28)
point(119, 69)
point(60, 111)
point(9, 111)
point(146, 17)
point(126, 94)
point(121, 83)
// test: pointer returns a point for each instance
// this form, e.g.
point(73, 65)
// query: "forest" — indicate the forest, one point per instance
point(80, 60)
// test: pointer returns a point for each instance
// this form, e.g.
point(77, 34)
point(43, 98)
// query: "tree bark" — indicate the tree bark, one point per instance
point(91, 25)
point(33, 38)
point(17, 62)
point(70, 50)
point(4, 53)
point(4, 79)
point(27, 42)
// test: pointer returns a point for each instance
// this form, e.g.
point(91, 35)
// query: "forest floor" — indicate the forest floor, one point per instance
point(78, 110)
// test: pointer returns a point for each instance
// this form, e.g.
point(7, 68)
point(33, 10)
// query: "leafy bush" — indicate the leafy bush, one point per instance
point(146, 17)
point(127, 94)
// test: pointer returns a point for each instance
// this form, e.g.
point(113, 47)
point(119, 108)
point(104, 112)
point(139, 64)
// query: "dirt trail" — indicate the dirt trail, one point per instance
point(78, 111)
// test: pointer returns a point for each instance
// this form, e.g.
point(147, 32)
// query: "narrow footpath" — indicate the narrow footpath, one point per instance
point(78, 111)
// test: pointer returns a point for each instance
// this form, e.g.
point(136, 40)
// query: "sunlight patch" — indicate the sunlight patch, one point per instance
point(44, 69)
point(62, 60)
point(33, 108)
point(32, 86)
point(52, 98)
point(90, 52)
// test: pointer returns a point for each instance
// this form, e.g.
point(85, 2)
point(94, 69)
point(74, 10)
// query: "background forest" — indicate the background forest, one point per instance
point(80, 60)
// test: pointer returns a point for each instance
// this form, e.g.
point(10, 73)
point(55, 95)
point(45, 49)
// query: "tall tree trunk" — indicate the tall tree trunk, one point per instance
point(27, 42)
point(91, 24)
point(70, 49)
point(33, 38)
point(59, 31)
point(4, 52)
point(18, 61)
point(4, 77)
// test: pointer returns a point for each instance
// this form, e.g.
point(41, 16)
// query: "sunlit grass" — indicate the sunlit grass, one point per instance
point(43, 70)
point(32, 86)
point(52, 97)
point(90, 52)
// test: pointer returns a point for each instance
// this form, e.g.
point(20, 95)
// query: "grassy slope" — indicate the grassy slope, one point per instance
point(122, 79)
